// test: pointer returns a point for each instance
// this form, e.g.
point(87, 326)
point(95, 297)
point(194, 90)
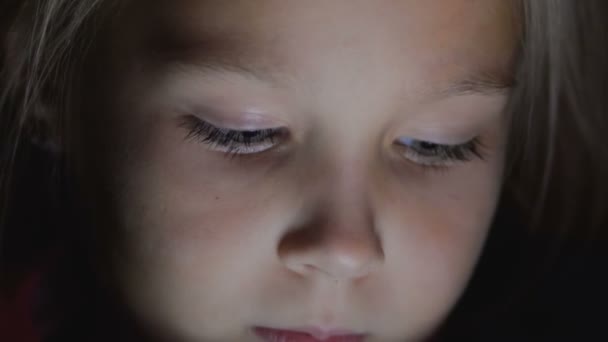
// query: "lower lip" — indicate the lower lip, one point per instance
point(273, 335)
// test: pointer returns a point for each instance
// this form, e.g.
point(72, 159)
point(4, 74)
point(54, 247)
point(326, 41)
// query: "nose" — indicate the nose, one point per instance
point(339, 242)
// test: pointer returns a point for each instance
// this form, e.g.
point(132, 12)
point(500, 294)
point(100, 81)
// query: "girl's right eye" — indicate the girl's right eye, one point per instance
point(233, 142)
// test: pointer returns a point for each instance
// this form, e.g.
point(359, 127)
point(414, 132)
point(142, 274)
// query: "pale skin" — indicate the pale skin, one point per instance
point(334, 224)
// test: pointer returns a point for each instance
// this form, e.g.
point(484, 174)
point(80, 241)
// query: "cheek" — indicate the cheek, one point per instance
point(195, 227)
point(439, 226)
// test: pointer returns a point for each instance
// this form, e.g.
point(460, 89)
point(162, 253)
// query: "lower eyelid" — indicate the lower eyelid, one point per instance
point(244, 149)
point(426, 160)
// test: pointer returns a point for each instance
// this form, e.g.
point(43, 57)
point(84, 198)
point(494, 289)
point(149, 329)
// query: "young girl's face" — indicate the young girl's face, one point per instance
point(290, 164)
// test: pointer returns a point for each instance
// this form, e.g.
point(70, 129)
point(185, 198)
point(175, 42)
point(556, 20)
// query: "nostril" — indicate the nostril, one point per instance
point(343, 247)
point(334, 263)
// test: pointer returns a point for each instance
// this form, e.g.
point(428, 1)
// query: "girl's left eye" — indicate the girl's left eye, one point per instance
point(233, 142)
point(430, 154)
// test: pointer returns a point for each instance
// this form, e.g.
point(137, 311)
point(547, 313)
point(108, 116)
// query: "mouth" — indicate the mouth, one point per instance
point(308, 334)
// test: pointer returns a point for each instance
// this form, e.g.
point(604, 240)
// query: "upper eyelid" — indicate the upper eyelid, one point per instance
point(191, 120)
point(402, 141)
point(197, 126)
point(243, 131)
point(193, 117)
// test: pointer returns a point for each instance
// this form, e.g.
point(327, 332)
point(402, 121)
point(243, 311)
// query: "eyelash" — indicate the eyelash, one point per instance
point(437, 156)
point(237, 143)
point(233, 142)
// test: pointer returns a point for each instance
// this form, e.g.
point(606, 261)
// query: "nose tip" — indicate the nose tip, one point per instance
point(345, 254)
point(343, 262)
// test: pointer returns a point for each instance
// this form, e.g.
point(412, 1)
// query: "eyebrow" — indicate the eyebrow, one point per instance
point(216, 53)
point(492, 82)
point(232, 53)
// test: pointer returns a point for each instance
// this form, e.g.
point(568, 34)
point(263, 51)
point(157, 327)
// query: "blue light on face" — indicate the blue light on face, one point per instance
point(414, 143)
point(406, 141)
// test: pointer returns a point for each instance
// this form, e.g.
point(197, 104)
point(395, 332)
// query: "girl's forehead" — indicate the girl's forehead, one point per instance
point(484, 24)
point(468, 40)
